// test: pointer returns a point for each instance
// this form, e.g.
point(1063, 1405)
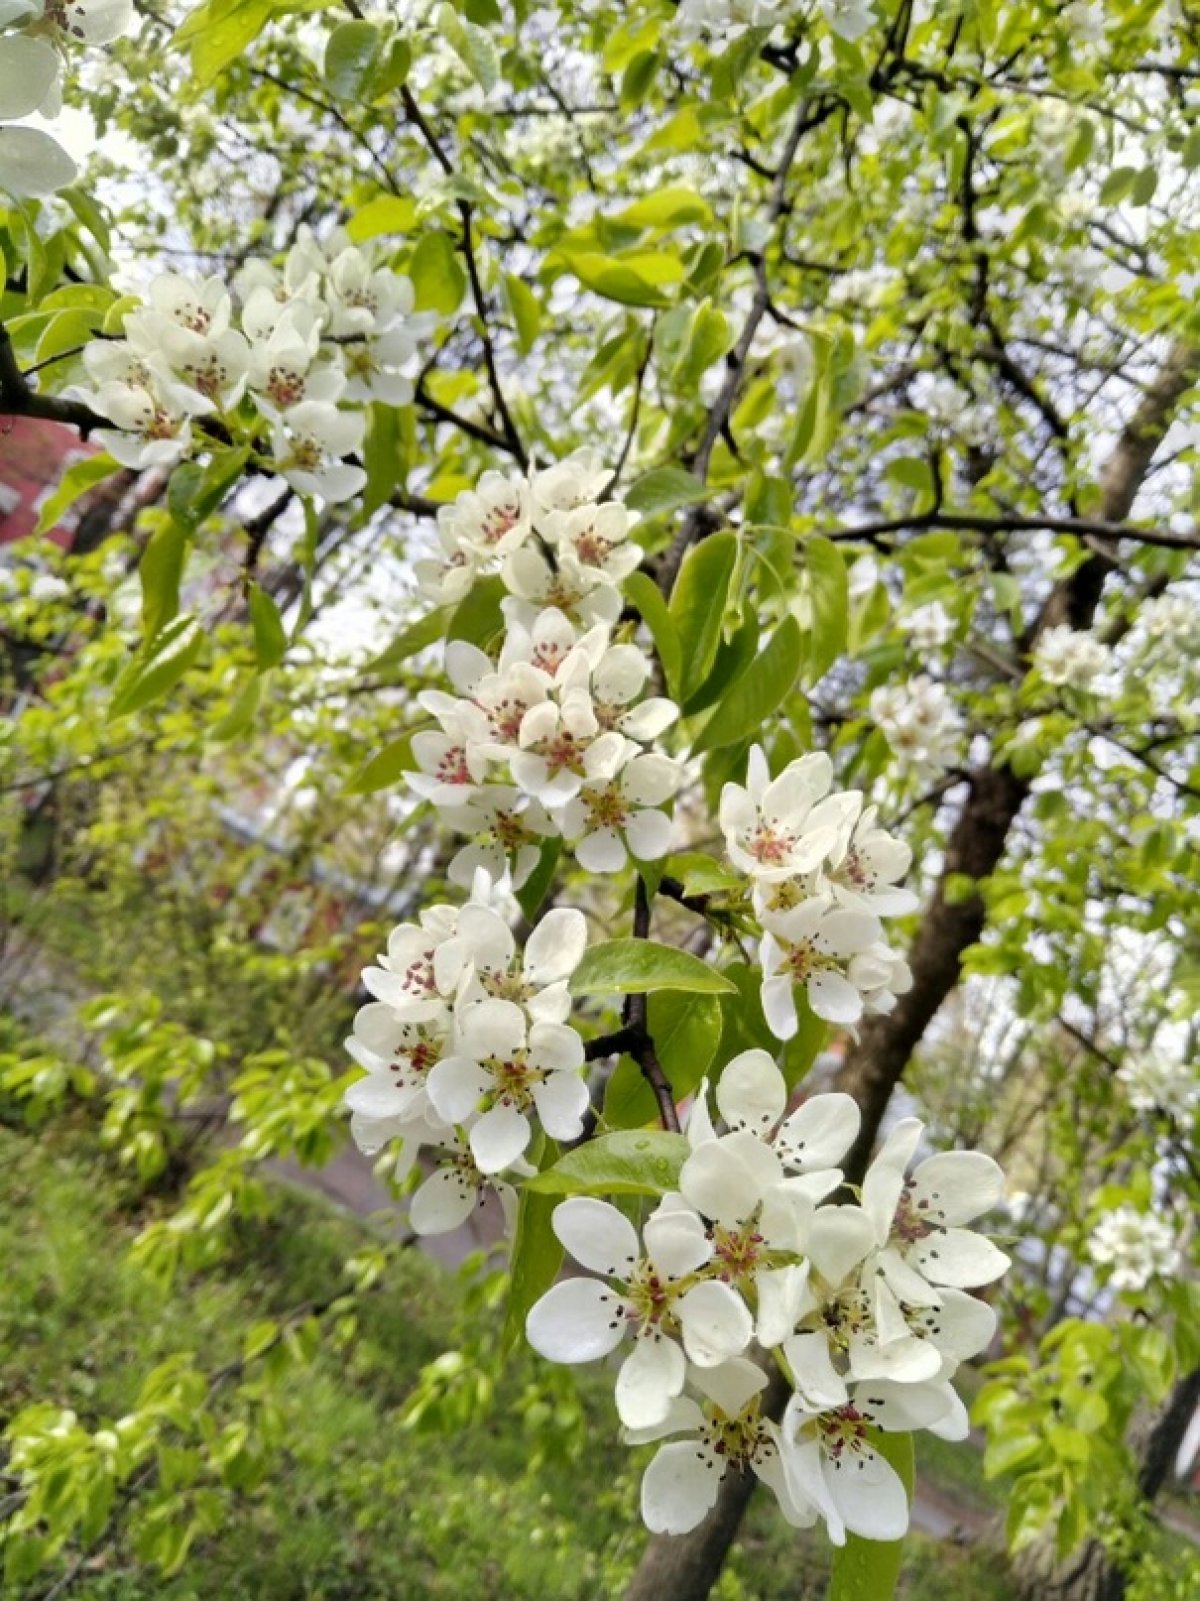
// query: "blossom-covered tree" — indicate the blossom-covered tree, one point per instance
point(726, 470)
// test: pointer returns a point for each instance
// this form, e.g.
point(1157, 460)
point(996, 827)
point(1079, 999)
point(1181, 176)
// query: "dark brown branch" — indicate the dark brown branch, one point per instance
point(1082, 527)
point(17, 399)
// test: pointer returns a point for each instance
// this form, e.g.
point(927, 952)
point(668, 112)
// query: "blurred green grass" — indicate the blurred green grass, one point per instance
point(357, 1508)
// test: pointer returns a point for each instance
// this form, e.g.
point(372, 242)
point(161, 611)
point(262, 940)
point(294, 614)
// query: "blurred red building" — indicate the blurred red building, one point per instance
point(34, 454)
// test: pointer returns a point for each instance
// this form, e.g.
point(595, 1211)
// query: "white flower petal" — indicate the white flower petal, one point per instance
point(499, 1137)
point(651, 1377)
point(556, 946)
point(597, 1235)
point(679, 1488)
point(579, 1320)
point(959, 1185)
point(561, 1104)
point(751, 1092)
point(716, 1323)
point(445, 1201)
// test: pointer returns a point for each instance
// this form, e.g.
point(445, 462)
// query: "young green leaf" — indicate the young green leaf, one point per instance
point(698, 603)
point(641, 1162)
point(758, 692)
point(158, 666)
point(634, 966)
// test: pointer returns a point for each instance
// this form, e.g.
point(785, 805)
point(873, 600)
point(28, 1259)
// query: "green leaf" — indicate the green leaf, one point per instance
point(622, 280)
point(536, 887)
point(351, 52)
point(673, 206)
point(160, 571)
point(698, 603)
point(642, 1162)
point(439, 281)
point(384, 214)
point(417, 636)
point(686, 1030)
point(472, 44)
point(525, 311)
point(868, 1570)
point(830, 594)
point(700, 874)
point(478, 618)
point(664, 489)
point(645, 594)
point(270, 636)
point(242, 713)
point(757, 693)
point(732, 658)
point(633, 966)
point(195, 492)
point(1118, 185)
point(536, 1258)
point(708, 338)
point(158, 666)
point(386, 767)
point(219, 32)
point(76, 481)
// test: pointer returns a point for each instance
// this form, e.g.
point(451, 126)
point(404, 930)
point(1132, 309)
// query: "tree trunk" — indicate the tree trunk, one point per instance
point(685, 1567)
point(1090, 1574)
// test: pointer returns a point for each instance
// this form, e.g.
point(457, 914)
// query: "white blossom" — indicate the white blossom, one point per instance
point(1137, 1246)
point(506, 1068)
point(779, 828)
point(1070, 658)
point(1154, 1084)
point(814, 945)
point(653, 1292)
point(920, 722)
point(680, 1486)
point(928, 627)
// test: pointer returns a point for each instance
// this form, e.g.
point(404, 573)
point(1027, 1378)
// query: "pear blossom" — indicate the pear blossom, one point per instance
point(920, 722)
point(152, 428)
point(397, 1053)
point(779, 828)
point(457, 1185)
point(308, 444)
point(451, 761)
point(1070, 658)
point(283, 365)
point(610, 817)
point(928, 627)
point(654, 1291)
point(1154, 1084)
point(752, 1097)
point(1137, 1246)
point(573, 481)
point(918, 1218)
point(505, 1068)
point(480, 960)
point(864, 868)
point(508, 831)
point(849, 19)
point(830, 1464)
point(681, 1483)
point(727, 19)
point(815, 944)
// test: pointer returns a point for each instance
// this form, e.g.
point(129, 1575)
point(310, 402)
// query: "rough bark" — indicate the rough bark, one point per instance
point(685, 1567)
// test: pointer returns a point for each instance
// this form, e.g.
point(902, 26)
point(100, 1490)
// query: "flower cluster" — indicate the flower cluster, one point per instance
point(465, 1045)
point(550, 738)
point(867, 1304)
point(1137, 1246)
point(1071, 659)
point(315, 340)
point(728, 19)
point(823, 873)
point(34, 37)
point(1155, 1084)
point(920, 722)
